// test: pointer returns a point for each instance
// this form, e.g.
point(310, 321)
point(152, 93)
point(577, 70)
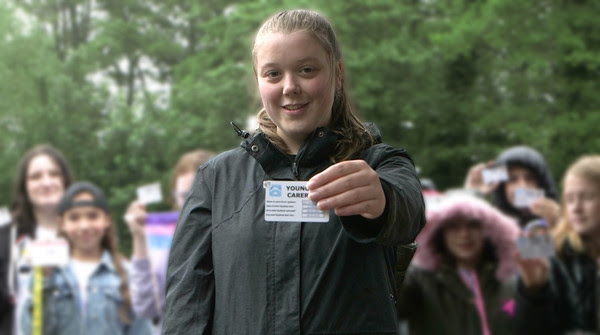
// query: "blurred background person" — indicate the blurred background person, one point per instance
point(560, 295)
point(148, 296)
point(526, 169)
point(90, 293)
point(461, 274)
point(41, 178)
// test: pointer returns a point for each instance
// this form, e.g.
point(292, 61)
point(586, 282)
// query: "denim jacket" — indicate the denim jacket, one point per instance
point(63, 315)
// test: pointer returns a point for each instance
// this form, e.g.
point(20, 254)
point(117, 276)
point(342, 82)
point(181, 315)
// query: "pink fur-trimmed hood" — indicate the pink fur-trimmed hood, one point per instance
point(498, 228)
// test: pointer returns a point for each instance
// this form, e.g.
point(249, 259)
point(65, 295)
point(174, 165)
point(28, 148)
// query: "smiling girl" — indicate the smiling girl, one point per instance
point(41, 178)
point(232, 271)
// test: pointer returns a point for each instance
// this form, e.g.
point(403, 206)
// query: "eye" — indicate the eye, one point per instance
point(92, 216)
point(73, 217)
point(272, 74)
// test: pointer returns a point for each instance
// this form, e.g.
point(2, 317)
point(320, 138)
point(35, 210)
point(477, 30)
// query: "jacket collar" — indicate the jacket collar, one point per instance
point(316, 149)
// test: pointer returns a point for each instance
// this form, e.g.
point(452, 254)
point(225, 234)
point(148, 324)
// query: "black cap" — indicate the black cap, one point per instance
point(99, 200)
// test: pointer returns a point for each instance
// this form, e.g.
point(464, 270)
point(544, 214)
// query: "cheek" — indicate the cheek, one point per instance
point(269, 94)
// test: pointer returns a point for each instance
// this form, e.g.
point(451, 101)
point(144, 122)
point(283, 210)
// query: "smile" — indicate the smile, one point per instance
point(294, 107)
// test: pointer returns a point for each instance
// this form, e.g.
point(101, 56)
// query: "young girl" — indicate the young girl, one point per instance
point(232, 271)
point(148, 296)
point(90, 295)
point(560, 295)
point(459, 281)
point(42, 176)
point(527, 169)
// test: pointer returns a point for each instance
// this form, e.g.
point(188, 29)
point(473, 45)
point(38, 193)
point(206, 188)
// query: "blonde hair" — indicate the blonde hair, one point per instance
point(588, 168)
point(189, 162)
point(353, 136)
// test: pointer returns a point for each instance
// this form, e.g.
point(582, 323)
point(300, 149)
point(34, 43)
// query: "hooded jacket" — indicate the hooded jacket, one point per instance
point(529, 158)
point(434, 298)
point(232, 272)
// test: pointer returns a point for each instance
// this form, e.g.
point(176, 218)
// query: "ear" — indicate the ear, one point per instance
point(340, 71)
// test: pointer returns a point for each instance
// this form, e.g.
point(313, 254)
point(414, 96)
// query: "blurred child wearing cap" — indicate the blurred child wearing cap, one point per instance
point(90, 294)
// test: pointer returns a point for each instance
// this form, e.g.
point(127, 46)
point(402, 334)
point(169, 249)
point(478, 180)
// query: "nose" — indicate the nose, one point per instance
point(290, 85)
point(46, 179)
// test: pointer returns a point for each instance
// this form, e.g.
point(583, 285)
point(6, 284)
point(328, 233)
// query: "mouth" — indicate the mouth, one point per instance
point(294, 107)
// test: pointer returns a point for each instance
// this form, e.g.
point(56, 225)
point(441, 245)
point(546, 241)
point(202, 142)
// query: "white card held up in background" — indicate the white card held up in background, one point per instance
point(496, 174)
point(149, 194)
point(288, 201)
point(535, 246)
point(524, 197)
point(4, 216)
point(49, 252)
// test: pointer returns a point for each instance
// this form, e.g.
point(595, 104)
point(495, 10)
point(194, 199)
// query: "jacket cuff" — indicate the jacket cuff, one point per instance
point(365, 230)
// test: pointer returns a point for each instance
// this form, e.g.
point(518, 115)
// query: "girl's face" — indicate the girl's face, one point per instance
point(464, 241)
point(295, 83)
point(44, 182)
point(85, 227)
point(582, 205)
point(518, 177)
point(183, 185)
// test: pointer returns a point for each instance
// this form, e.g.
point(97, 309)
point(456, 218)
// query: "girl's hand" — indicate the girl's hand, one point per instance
point(350, 187)
point(135, 216)
point(547, 209)
point(535, 272)
point(474, 180)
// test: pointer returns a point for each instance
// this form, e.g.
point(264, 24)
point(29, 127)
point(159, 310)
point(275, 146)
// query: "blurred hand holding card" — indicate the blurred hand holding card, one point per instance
point(535, 246)
point(496, 174)
point(525, 197)
point(149, 194)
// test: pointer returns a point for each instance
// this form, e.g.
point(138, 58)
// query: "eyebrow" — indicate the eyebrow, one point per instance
point(302, 60)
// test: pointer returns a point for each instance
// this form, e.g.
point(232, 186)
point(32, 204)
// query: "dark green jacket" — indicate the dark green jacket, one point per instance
point(232, 272)
point(439, 303)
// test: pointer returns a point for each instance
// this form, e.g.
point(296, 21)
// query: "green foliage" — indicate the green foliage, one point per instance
point(124, 87)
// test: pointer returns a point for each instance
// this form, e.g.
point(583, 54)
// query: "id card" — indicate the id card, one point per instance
point(149, 194)
point(524, 197)
point(535, 246)
point(495, 174)
point(49, 252)
point(4, 216)
point(288, 201)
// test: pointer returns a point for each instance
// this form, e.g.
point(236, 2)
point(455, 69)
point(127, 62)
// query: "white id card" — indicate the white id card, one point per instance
point(149, 194)
point(288, 201)
point(4, 216)
point(49, 252)
point(524, 197)
point(495, 174)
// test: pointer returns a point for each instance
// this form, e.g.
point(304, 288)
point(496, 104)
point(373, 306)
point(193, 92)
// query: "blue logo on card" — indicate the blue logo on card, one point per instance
point(275, 191)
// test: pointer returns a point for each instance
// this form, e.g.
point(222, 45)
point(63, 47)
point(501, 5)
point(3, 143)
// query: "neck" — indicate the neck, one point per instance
point(46, 218)
point(468, 265)
point(87, 256)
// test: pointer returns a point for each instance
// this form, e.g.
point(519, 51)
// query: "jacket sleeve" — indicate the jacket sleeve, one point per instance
point(190, 287)
point(144, 293)
point(6, 304)
point(410, 295)
point(545, 310)
point(404, 214)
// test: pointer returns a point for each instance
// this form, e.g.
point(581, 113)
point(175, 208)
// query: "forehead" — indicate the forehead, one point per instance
point(276, 47)
point(40, 162)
